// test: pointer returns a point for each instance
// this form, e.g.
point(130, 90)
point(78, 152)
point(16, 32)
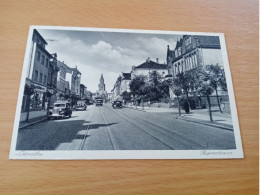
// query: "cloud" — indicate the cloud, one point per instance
point(106, 57)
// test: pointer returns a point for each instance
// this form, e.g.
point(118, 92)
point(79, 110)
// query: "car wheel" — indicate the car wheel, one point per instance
point(70, 116)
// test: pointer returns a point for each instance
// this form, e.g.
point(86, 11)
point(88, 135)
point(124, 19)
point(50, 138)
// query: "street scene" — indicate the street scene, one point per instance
point(105, 128)
point(88, 90)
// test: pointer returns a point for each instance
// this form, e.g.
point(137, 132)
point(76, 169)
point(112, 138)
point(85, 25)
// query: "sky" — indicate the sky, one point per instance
point(107, 53)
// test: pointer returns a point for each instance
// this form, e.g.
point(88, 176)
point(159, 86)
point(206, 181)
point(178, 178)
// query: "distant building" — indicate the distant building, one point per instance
point(101, 92)
point(124, 85)
point(148, 67)
point(82, 91)
point(63, 86)
point(74, 77)
point(109, 96)
point(116, 92)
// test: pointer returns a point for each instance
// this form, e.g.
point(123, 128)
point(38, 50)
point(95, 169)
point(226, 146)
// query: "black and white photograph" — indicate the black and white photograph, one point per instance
point(93, 93)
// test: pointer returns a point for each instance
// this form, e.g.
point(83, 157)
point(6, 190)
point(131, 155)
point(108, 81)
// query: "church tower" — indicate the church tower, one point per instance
point(101, 85)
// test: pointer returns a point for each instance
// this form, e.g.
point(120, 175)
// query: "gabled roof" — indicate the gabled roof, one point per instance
point(149, 64)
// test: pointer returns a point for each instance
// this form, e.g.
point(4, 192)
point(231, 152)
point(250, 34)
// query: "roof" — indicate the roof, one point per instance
point(38, 34)
point(151, 65)
point(126, 76)
point(208, 41)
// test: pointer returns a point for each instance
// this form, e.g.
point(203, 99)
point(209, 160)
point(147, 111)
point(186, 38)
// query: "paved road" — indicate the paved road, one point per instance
point(105, 128)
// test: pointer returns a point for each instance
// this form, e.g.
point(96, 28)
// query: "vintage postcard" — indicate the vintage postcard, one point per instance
point(97, 93)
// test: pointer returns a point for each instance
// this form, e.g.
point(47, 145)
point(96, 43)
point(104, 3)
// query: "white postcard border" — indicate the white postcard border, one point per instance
point(128, 154)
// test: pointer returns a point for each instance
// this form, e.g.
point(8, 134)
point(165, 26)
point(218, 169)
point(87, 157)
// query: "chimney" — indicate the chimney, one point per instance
point(157, 60)
point(148, 60)
point(168, 46)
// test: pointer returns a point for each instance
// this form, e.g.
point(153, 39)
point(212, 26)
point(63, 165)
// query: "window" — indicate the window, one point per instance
point(38, 56)
point(43, 59)
point(179, 51)
point(188, 41)
point(47, 62)
point(40, 78)
point(36, 75)
point(45, 79)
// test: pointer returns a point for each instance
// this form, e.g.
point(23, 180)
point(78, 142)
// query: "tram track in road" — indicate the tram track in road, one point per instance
point(162, 142)
point(164, 129)
point(87, 130)
point(108, 131)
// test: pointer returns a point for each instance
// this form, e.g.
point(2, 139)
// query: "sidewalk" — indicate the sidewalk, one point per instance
point(32, 121)
point(200, 116)
point(220, 120)
point(153, 109)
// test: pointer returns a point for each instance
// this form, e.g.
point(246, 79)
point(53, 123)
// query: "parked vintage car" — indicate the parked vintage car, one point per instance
point(81, 105)
point(117, 104)
point(61, 109)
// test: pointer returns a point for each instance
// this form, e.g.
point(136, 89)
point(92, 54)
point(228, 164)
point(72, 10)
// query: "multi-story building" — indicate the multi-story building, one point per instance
point(63, 86)
point(148, 67)
point(68, 82)
point(52, 80)
point(116, 92)
point(192, 51)
point(83, 89)
point(125, 81)
point(37, 73)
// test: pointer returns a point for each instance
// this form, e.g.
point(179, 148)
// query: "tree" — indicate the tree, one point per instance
point(126, 96)
point(176, 90)
point(205, 89)
point(217, 79)
point(183, 81)
point(28, 91)
point(136, 86)
point(159, 88)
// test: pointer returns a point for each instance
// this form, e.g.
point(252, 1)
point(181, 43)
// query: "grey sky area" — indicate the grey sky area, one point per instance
point(110, 53)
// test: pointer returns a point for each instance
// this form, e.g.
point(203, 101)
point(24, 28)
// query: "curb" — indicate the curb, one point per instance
point(208, 124)
point(137, 109)
point(33, 123)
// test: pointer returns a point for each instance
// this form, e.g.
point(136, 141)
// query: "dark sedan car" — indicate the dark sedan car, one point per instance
point(61, 109)
point(117, 104)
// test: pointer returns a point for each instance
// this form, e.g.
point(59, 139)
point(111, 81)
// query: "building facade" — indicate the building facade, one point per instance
point(116, 91)
point(125, 82)
point(192, 51)
point(148, 67)
point(83, 90)
point(63, 86)
point(37, 74)
point(52, 80)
